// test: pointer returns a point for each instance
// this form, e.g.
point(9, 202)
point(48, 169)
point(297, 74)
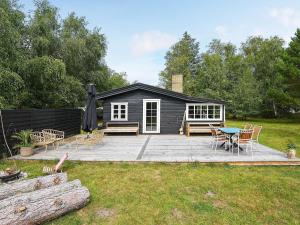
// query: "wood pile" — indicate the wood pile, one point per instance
point(41, 199)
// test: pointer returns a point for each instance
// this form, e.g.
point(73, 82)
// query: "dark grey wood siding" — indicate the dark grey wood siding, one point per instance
point(171, 109)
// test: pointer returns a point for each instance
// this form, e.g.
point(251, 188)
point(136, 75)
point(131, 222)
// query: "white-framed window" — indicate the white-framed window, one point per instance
point(199, 112)
point(119, 111)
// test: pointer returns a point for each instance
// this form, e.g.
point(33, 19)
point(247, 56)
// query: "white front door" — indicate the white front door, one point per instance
point(151, 115)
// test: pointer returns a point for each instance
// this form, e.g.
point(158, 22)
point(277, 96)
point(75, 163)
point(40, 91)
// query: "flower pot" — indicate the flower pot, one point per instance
point(291, 154)
point(26, 151)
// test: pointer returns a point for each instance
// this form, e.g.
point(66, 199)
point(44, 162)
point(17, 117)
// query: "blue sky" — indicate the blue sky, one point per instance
point(139, 32)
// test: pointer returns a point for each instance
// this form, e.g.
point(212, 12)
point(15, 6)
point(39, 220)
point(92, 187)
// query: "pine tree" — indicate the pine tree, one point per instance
point(291, 68)
point(183, 58)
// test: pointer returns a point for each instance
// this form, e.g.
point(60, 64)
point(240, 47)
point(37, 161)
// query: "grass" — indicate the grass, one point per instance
point(177, 193)
point(276, 133)
point(187, 193)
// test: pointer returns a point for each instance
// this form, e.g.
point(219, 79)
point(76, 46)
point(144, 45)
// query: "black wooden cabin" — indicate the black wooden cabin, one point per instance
point(158, 111)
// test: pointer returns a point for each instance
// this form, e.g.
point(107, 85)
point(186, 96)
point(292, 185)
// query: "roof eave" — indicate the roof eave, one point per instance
point(149, 88)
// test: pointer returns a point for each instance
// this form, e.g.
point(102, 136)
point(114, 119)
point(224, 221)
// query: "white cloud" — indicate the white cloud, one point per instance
point(141, 69)
point(286, 16)
point(151, 41)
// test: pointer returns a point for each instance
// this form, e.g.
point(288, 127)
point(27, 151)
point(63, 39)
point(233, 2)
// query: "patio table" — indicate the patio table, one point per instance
point(230, 131)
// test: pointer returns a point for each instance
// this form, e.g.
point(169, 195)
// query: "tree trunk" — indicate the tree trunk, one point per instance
point(43, 205)
point(274, 109)
point(19, 187)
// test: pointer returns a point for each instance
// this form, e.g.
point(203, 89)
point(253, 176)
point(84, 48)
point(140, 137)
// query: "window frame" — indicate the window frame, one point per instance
point(204, 119)
point(119, 104)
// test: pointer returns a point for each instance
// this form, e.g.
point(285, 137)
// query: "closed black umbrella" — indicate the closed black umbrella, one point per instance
point(90, 115)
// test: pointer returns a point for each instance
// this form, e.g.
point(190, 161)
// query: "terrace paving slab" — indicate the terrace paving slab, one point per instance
point(158, 148)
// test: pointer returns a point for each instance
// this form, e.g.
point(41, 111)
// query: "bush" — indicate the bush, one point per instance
point(11, 89)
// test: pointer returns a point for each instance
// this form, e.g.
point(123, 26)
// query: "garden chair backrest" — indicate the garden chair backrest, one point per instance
point(37, 137)
point(48, 136)
point(246, 135)
point(248, 126)
point(56, 133)
point(214, 131)
point(256, 132)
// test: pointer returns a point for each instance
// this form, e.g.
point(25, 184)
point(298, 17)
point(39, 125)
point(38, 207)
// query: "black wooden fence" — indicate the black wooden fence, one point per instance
point(67, 120)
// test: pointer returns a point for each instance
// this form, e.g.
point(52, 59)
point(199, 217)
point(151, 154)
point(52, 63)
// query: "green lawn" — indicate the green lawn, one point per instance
point(275, 133)
point(177, 193)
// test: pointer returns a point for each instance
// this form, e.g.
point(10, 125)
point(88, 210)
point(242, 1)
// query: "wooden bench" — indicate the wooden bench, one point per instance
point(201, 127)
point(122, 127)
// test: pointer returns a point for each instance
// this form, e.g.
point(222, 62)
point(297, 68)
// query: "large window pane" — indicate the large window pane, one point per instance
point(154, 119)
point(204, 112)
point(154, 105)
point(191, 112)
point(211, 109)
point(197, 112)
point(154, 112)
point(148, 119)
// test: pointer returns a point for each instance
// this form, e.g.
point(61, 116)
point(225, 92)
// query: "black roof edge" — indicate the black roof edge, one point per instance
point(154, 89)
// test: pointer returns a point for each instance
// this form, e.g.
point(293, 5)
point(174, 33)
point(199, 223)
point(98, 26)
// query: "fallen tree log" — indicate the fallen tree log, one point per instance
point(8, 190)
point(43, 205)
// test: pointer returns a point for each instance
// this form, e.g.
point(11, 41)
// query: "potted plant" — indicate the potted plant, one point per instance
point(25, 145)
point(291, 150)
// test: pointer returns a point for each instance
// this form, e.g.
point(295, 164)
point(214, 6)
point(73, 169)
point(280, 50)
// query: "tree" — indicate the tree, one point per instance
point(290, 70)
point(43, 30)
point(11, 36)
point(11, 89)
point(223, 74)
point(183, 58)
point(72, 93)
point(48, 85)
point(244, 100)
point(46, 62)
point(211, 78)
point(117, 80)
point(263, 56)
point(83, 51)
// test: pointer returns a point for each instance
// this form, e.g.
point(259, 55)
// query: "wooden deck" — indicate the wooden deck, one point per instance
point(163, 148)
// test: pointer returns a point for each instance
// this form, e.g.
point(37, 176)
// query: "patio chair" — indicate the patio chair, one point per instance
point(244, 137)
point(216, 138)
point(212, 127)
point(57, 167)
point(256, 133)
point(91, 139)
point(42, 139)
point(57, 134)
point(248, 126)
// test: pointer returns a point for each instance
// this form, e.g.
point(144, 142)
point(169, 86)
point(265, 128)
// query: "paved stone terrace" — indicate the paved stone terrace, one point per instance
point(159, 148)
